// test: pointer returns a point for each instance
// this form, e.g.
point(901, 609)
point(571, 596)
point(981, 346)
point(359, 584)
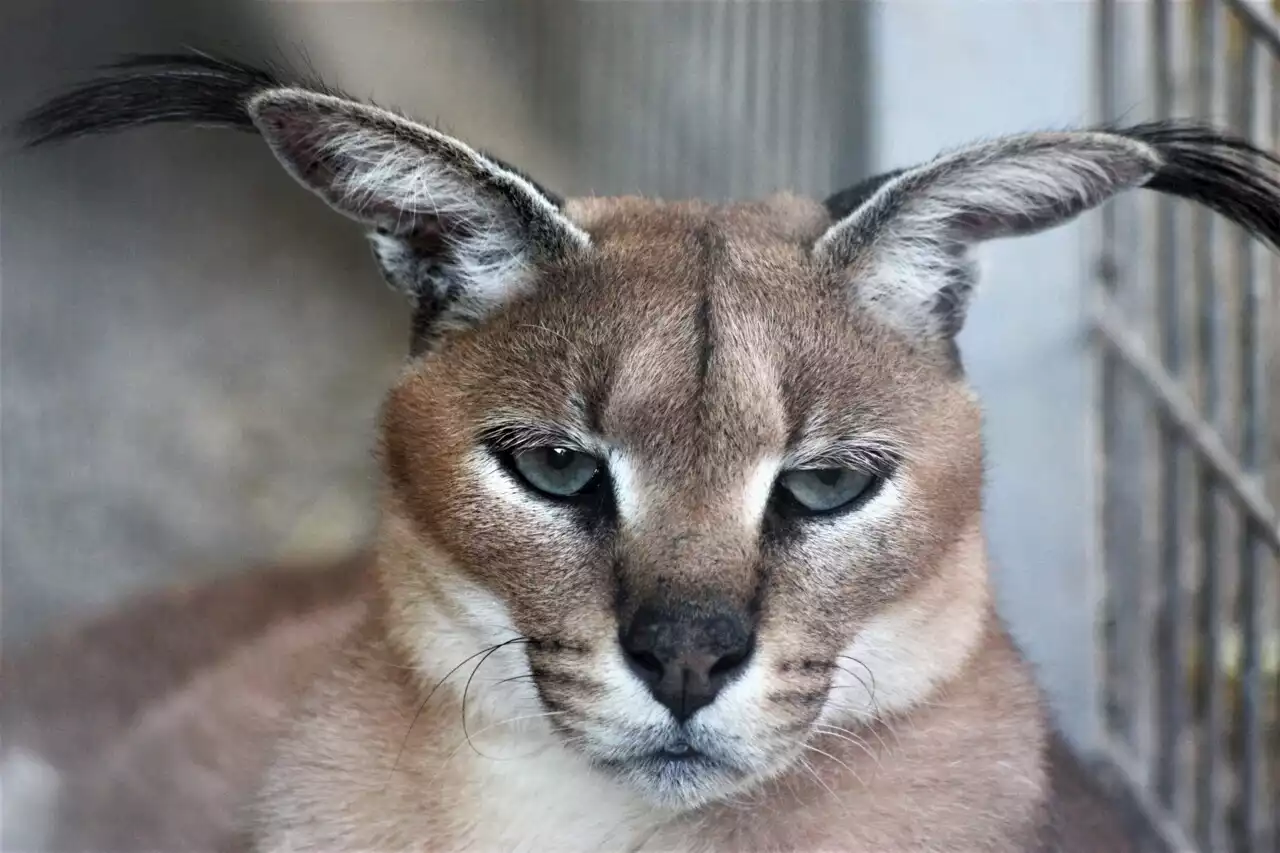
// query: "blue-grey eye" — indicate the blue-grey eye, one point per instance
point(558, 471)
point(825, 489)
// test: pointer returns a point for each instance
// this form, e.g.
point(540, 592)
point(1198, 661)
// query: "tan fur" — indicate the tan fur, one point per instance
point(884, 708)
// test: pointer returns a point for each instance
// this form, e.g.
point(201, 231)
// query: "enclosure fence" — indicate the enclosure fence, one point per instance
point(1188, 401)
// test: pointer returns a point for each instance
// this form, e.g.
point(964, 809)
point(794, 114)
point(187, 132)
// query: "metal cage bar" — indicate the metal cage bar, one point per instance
point(1190, 536)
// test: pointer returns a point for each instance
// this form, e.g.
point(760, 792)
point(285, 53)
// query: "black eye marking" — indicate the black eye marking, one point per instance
point(560, 474)
point(844, 480)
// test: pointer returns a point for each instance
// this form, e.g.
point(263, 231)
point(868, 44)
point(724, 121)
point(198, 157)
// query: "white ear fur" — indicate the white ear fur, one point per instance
point(454, 230)
point(907, 244)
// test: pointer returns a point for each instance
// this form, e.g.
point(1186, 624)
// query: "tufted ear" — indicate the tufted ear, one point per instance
point(453, 230)
point(904, 237)
point(457, 232)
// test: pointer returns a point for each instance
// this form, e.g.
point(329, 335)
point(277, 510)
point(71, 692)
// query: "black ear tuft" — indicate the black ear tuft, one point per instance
point(456, 231)
point(153, 89)
point(908, 233)
point(1225, 173)
point(176, 88)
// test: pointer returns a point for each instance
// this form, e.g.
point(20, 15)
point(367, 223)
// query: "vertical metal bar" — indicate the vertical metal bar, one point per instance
point(1270, 319)
point(1171, 702)
point(1126, 524)
point(1252, 816)
point(1208, 45)
point(1143, 282)
point(1268, 366)
point(1208, 812)
point(1105, 394)
point(1235, 526)
point(1208, 823)
point(1251, 442)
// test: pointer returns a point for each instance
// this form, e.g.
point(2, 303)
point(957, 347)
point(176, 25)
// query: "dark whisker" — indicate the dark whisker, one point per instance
point(467, 688)
point(438, 685)
point(871, 691)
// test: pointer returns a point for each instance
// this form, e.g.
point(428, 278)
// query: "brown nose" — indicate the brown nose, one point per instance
point(687, 655)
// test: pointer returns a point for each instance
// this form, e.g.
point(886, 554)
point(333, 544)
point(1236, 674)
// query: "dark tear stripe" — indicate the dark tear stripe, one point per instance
point(710, 246)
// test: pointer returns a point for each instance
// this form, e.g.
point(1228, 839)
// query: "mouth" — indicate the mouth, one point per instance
point(675, 755)
point(677, 774)
point(679, 757)
point(679, 750)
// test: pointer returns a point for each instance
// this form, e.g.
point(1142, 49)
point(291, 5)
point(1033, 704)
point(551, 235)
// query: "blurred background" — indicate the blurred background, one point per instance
point(193, 349)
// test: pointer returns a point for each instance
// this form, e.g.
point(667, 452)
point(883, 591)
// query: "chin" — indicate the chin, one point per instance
point(676, 784)
point(679, 780)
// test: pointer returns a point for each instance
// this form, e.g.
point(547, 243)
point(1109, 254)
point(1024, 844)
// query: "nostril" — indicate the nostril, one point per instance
point(732, 662)
point(728, 664)
point(646, 664)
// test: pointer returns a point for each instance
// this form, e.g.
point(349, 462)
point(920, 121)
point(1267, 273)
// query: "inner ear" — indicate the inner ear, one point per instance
point(455, 231)
point(907, 235)
point(951, 301)
point(415, 259)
